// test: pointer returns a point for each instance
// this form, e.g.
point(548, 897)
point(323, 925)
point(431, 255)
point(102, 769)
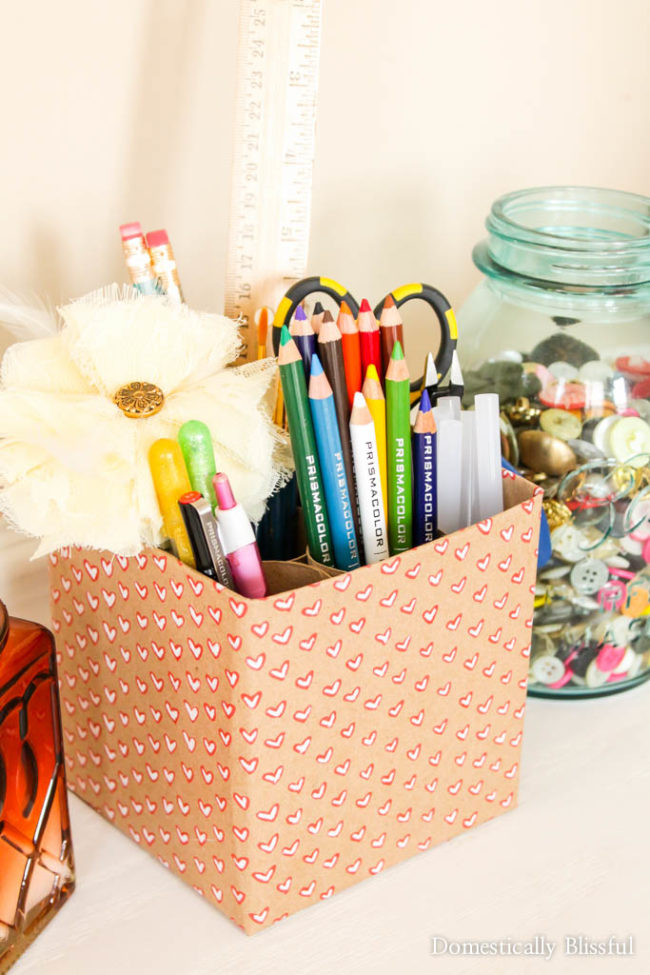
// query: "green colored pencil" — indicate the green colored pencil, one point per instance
point(398, 453)
point(305, 452)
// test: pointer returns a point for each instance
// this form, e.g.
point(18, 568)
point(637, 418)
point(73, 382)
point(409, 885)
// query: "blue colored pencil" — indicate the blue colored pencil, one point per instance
point(335, 483)
point(424, 473)
point(305, 338)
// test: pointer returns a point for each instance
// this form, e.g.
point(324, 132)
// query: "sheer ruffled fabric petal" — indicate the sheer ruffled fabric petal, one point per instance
point(144, 338)
point(42, 365)
point(74, 469)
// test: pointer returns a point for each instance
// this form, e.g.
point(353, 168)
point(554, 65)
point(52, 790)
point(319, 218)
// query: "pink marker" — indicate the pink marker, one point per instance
point(238, 541)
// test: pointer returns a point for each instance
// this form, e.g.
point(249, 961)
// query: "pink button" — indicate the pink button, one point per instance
point(609, 658)
point(566, 677)
point(613, 594)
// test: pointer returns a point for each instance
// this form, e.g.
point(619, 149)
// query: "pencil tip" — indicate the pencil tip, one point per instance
point(300, 314)
point(318, 309)
point(316, 366)
point(389, 301)
point(398, 352)
point(365, 305)
point(285, 335)
point(371, 372)
point(327, 317)
point(345, 308)
point(425, 402)
point(359, 401)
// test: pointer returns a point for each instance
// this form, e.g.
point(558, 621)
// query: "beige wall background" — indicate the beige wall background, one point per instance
point(427, 111)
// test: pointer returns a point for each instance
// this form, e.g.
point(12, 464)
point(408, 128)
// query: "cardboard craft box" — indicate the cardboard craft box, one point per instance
point(274, 752)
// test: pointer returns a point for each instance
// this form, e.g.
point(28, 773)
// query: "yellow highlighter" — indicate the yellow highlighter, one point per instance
point(171, 481)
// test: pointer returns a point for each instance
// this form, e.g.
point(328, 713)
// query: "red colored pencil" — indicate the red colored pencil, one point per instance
point(351, 351)
point(369, 339)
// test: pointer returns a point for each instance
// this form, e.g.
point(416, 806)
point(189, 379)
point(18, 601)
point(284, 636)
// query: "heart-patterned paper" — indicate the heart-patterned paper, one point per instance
point(273, 752)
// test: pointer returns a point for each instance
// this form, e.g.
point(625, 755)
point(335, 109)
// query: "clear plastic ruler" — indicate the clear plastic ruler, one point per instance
point(275, 120)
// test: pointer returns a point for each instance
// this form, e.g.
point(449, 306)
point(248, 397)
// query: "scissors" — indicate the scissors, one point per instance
point(426, 292)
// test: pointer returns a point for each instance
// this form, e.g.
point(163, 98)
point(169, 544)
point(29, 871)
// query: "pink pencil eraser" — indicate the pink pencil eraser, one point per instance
point(156, 238)
point(128, 230)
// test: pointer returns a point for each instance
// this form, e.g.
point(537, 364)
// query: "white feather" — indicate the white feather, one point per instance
point(26, 316)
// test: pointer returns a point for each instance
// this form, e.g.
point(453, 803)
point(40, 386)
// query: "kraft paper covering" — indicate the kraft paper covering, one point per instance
point(273, 752)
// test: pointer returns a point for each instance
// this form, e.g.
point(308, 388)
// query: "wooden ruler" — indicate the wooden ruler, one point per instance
point(275, 117)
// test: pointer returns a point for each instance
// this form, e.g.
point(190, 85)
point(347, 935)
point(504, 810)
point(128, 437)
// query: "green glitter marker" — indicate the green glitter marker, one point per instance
point(196, 445)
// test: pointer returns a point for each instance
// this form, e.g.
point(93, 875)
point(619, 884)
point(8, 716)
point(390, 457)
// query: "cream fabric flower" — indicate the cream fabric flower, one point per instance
point(74, 468)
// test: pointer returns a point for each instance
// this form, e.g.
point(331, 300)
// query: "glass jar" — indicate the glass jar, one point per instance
point(560, 328)
point(36, 864)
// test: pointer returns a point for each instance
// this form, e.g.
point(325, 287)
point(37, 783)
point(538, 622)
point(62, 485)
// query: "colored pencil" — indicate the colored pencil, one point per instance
point(351, 351)
point(424, 473)
point(305, 451)
point(398, 448)
point(337, 487)
point(262, 332)
point(317, 317)
point(369, 493)
point(330, 353)
point(374, 397)
point(369, 339)
point(303, 335)
point(278, 413)
point(391, 330)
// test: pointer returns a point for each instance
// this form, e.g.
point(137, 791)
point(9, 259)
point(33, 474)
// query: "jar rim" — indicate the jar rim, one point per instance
point(508, 212)
point(569, 238)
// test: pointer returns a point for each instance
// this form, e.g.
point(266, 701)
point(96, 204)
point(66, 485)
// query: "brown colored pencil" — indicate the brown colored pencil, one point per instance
point(317, 317)
point(330, 351)
point(391, 330)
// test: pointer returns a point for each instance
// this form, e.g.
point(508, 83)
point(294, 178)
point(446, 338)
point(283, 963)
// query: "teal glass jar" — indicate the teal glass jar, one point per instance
point(560, 327)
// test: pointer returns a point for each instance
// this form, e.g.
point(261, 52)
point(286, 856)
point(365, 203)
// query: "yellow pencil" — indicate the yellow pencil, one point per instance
point(376, 403)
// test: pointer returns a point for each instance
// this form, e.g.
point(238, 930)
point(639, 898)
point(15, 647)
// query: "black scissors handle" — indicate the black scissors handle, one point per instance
point(301, 290)
point(425, 292)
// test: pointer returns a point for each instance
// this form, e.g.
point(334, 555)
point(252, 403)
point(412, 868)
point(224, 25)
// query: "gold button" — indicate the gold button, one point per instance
point(138, 400)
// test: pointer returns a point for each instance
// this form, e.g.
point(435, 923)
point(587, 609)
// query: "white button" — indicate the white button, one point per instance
point(618, 630)
point(589, 575)
point(547, 670)
point(600, 435)
point(595, 371)
point(568, 542)
point(594, 676)
point(563, 370)
point(627, 661)
point(628, 438)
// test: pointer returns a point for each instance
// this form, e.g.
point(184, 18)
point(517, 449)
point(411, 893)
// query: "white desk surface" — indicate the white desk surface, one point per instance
point(572, 859)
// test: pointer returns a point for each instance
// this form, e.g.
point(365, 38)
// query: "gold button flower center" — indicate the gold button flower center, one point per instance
point(138, 400)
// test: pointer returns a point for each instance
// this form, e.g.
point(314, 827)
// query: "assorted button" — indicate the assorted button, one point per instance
point(579, 426)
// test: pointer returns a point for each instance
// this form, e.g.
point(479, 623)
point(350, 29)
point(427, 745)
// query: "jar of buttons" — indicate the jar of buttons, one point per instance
point(560, 327)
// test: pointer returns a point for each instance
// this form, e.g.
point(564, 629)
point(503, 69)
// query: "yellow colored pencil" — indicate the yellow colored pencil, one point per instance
point(374, 397)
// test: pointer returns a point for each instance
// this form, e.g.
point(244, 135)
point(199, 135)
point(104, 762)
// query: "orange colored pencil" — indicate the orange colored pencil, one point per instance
point(351, 351)
point(262, 332)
